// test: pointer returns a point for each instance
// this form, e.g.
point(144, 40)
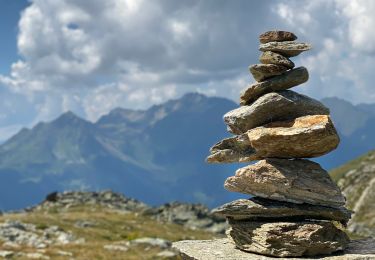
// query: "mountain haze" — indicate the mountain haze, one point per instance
point(155, 155)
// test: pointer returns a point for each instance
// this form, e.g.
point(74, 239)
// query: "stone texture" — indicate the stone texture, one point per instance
point(284, 81)
point(274, 106)
point(287, 239)
point(297, 181)
point(303, 137)
point(277, 36)
point(287, 48)
point(257, 208)
point(261, 72)
point(269, 57)
point(223, 249)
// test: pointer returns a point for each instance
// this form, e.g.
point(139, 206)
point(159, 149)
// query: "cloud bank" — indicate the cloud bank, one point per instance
point(92, 56)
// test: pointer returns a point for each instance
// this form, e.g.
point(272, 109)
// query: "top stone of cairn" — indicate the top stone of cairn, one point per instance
point(277, 36)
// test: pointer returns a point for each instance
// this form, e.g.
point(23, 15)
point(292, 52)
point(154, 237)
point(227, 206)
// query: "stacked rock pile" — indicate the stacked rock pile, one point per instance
point(297, 208)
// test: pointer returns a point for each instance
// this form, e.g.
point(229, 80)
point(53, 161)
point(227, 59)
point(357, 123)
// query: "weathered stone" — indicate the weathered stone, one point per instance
point(303, 137)
point(288, 48)
point(308, 136)
point(271, 107)
point(223, 249)
point(297, 181)
point(269, 57)
point(284, 81)
point(286, 239)
point(261, 72)
point(277, 36)
point(257, 208)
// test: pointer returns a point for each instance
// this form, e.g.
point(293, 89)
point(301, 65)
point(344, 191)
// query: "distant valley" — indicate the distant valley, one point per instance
point(156, 155)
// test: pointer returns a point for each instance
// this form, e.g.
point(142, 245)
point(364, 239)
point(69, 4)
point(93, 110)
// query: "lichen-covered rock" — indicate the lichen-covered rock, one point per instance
point(303, 137)
point(277, 36)
point(257, 208)
point(296, 181)
point(223, 249)
point(284, 81)
point(287, 48)
point(271, 107)
point(270, 57)
point(261, 72)
point(286, 239)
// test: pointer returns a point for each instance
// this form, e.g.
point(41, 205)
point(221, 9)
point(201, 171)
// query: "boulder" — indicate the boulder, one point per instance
point(261, 72)
point(303, 137)
point(258, 208)
point(271, 107)
point(270, 57)
point(277, 36)
point(223, 249)
point(297, 181)
point(284, 81)
point(288, 239)
point(287, 48)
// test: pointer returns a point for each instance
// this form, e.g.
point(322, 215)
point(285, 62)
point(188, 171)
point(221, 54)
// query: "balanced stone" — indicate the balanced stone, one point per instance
point(269, 57)
point(287, 239)
point(261, 72)
point(284, 81)
point(287, 49)
point(303, 137)
point(297, 181)
point(274, 106)
point(277, 36)
point(258, 208)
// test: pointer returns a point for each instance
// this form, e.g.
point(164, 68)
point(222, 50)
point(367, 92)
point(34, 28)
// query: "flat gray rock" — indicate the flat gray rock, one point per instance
point(262, 72)
point(297, 181)
point(303, 137)
point(277, 36)
point(259, 208)
point(288, 239)
point(269, 57)
point(284, 81)
point(224, 249)
point(287, 48)
point(271, 107)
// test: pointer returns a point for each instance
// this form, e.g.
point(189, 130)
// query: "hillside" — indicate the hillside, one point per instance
point(102, 225)
point(155, 155)
point(357, 181)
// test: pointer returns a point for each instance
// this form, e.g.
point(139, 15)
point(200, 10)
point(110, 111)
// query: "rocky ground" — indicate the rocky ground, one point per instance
point(102, 225)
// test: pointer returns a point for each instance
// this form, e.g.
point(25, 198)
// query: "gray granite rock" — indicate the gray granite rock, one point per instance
point(284, 81)
point(224, 249)
point(277, 36)
point(303, 137)
point(296, 181)
point(287, 48)
point(271, 107)
point(258, 208)
point(262, 72)
point(269, 57)
point(288, 239)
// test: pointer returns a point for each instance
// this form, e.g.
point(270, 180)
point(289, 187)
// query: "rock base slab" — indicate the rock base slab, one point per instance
point(223, 249)
point(288, 239)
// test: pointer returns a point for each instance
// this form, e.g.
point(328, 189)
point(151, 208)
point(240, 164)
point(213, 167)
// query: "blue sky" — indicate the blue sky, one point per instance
point(10, 13)
point(90, 56)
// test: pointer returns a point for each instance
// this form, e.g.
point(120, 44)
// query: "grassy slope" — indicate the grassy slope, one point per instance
point(356, 179)
point(340, 172)
point(111, 226)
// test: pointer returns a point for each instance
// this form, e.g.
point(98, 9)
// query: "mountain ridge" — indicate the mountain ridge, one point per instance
point(155, 155)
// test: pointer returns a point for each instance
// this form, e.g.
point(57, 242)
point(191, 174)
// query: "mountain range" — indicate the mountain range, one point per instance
point(155, 155)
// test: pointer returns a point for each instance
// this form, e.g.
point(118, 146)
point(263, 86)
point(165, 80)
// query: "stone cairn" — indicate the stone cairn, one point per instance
point(297, 210)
